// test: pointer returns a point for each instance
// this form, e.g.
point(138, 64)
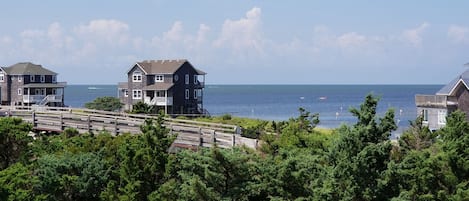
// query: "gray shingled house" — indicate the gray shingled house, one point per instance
point(174, 86)
point(30, 84)
point(453, 96)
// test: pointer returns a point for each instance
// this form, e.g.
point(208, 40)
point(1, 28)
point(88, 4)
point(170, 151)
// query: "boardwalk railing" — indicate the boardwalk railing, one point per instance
point(189, 133)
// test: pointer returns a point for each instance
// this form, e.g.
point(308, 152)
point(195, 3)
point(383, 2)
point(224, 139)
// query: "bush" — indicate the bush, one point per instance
point(106, 103)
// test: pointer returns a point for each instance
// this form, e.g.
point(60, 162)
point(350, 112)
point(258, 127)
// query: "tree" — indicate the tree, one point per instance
point(361, 153)
point(106, 103)
point(14, 140)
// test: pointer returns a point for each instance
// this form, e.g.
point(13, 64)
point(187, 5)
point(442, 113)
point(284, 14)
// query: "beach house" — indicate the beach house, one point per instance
point(173, 86)
point(453, 96)
point(30, 84)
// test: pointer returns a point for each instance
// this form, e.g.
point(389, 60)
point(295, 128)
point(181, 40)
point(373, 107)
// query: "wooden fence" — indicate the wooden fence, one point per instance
point(190, 134)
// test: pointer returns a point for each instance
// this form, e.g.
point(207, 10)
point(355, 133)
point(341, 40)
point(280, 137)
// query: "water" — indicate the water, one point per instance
point(281, 102)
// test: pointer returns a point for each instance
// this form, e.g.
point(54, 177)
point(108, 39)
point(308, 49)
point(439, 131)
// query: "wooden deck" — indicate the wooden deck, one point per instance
point(190, 134)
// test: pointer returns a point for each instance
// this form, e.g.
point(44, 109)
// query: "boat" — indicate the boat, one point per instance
point(323, 98)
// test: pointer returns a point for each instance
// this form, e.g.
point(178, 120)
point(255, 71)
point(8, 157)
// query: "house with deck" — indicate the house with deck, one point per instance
point(30, 84)
point(173, 86)
point(453, 96)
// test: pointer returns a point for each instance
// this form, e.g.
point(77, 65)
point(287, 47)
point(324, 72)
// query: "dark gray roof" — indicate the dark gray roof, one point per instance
point(448, 89)
point(164, 66)
point(159, 86)
point(27, 68)
point(46, 85)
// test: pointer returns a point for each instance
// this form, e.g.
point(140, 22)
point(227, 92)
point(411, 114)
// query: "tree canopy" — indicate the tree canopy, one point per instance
point(106, 103)
point(295, 162)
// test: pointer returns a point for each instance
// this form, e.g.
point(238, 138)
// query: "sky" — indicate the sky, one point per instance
point(242, 42)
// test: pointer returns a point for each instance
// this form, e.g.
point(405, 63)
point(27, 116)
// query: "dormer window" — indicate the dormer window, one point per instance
point(159, 78)
point(54, 78)
point(137, 76)
point(32, 78)
point(43, 78)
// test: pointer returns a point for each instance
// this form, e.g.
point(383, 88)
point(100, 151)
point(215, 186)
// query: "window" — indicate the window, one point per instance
point(54, 78)
point(31, 78)
point(20, 78)
point(136, 94)
point(187, 94)
point(137, 76)
point(176, 77)
point(187, 78)
point(19, 91)
point(38, 91)
point(195, 94)
point(43, 78)
point(2, 77)
point(54, 91)
point(441, 116)
point(159, 78)
point(126, 93)
point(425, 115)
point(195, 79)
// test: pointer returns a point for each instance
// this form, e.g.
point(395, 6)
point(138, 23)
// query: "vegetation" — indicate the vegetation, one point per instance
point(106, 103)
point(295, 162)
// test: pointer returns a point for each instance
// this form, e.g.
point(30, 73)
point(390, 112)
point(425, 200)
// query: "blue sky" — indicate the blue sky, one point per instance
point(243, 42)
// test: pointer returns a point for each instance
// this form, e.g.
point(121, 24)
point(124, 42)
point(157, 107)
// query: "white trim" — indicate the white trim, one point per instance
point(425, 115)
point(2, 77)
point(187, 94)
point(32, 78)
point(186, 78)
point(126, 93)
point(20, 78)
point(136, 75)
point(159, 76)
point(136, 94)
point(136, 64)
point(43, 78)
point(20, 91)
point(442, 117)
point(454, 87)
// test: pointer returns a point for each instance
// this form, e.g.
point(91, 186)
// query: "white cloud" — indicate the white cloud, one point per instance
point(243, 34)
point(112, 31)
point(458, 34)
point(414, 36)
point(350, 40)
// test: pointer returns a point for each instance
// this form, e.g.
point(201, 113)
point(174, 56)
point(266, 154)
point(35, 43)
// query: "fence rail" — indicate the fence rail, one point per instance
point(190, 133)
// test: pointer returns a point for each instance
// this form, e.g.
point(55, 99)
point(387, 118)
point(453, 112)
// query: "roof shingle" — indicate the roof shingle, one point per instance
point(27, 68)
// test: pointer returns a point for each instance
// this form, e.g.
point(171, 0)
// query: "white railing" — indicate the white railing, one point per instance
point(33, 98)
point(160, 101)
point(50, 98)
point(41, 98)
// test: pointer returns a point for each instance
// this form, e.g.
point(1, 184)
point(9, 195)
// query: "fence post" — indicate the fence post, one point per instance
point(214, 138)
point(89, 124)
point(201, 139)
point(61, 122)
point(234, 140)
point(116, 129)
point(33, 115)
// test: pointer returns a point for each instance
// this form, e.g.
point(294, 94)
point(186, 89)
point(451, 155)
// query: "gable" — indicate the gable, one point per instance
point(136, 67)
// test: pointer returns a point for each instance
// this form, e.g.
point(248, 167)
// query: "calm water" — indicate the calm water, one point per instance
point(281, 102)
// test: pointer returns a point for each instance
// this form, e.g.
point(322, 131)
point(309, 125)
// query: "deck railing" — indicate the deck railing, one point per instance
point(434, 100)
point(189, 133)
